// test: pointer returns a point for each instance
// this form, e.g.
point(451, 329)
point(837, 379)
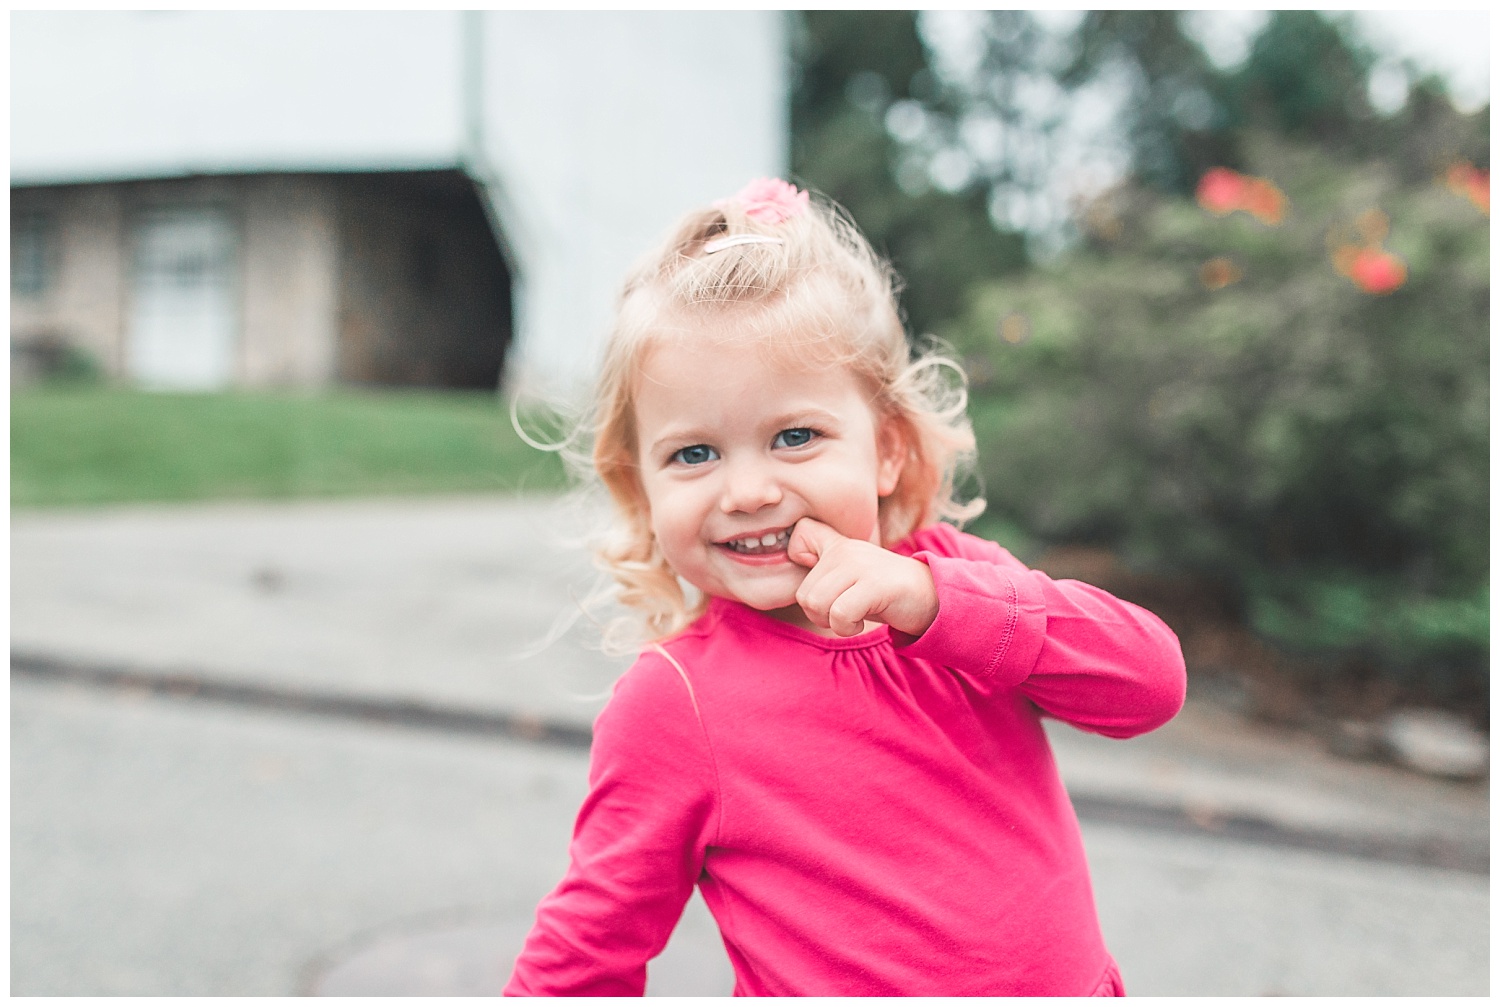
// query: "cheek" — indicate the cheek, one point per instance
point(855, 514)
point(672, 515)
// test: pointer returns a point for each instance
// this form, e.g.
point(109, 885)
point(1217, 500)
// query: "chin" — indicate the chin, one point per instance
point(768, 598)
point(765, 601)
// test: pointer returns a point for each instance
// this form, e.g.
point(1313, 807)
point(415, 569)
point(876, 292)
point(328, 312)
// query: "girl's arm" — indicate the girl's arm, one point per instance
point(637, 847)
point(1081, 654)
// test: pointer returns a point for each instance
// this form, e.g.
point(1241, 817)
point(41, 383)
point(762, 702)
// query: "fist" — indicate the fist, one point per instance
point(849, 582)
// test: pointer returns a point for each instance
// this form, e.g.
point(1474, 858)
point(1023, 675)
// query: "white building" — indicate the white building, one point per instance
point(287, 198)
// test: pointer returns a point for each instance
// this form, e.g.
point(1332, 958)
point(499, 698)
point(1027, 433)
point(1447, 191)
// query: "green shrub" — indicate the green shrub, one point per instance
point(1320, 450)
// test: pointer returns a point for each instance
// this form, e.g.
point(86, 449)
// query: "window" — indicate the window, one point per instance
point(32, 241)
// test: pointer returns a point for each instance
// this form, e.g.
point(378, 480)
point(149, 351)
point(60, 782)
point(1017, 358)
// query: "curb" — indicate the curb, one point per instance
point(1427, 851)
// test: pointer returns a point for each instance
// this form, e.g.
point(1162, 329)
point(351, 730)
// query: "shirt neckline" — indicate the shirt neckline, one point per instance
point(725, 609)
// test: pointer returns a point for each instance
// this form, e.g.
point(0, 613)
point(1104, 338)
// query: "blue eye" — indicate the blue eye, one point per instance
point(695, 455)
point(796, 437)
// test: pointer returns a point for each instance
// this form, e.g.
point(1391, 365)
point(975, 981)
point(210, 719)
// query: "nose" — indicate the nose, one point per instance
point(749, 485)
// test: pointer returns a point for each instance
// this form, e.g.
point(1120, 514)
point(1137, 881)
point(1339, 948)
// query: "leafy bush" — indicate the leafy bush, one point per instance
point(1210, 395)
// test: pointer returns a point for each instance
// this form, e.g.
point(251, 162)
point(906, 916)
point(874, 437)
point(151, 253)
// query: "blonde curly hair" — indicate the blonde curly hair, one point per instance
point(817, 294)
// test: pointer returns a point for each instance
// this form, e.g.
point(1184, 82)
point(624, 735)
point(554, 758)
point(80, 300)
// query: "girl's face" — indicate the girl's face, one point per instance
point(735, 449)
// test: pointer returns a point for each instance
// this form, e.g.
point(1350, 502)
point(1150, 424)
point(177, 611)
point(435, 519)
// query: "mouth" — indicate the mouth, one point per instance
point(761, 544)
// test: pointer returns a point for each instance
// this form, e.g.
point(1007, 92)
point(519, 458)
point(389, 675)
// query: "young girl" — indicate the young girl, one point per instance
point(837, 735)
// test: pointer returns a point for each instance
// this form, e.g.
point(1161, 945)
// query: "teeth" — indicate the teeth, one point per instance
point(761, 543)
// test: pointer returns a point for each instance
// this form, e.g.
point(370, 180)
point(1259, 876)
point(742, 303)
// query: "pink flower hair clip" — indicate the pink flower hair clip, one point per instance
point(769, 200)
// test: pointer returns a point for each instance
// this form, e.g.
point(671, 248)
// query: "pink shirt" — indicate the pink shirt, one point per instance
point(865, 816)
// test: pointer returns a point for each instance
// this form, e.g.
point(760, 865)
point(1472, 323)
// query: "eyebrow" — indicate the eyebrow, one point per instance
point(686, 436)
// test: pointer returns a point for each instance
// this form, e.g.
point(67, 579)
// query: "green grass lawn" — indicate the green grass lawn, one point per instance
point(93, 445)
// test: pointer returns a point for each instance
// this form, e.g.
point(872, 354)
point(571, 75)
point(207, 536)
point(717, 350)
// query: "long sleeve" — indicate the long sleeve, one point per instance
point(1079, 653)
point(637, 847)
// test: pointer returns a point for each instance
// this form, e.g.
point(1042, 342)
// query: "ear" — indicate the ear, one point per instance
point(891, 454)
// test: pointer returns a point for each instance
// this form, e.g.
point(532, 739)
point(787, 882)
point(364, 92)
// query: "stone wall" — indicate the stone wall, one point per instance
point(82, 298)
point(370, 279)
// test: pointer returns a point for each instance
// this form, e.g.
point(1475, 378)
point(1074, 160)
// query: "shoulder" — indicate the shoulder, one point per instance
point(652, 723)
point(654, 687)
point(663, 685)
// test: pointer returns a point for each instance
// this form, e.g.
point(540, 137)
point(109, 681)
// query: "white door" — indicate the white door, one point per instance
point(184, 312)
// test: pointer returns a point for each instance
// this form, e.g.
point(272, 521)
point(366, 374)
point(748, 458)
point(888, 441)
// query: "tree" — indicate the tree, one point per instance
point(1306, 79)
point(1296, 411)
point(1179, 111)
point(852, 67)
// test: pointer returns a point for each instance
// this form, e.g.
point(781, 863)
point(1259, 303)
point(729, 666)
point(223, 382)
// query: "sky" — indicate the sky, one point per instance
point(1452, 43)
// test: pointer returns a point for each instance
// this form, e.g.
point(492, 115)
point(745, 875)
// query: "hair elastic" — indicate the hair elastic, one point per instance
point(719, 244)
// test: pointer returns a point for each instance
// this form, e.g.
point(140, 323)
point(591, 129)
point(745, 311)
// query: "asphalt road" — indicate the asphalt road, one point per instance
point(177, 847)
point(223, 843)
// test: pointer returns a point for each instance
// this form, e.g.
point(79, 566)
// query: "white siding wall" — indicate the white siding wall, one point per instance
point(106, 95)
point(598, 128)
point(604, 128)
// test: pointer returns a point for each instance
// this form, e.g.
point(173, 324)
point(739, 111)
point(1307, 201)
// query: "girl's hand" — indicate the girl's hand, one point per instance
point(849, 581)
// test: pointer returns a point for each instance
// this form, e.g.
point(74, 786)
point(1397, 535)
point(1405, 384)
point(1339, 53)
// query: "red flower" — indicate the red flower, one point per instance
point(1218, 273)
point(1472, 183)
point(1376, 271)
point(1221, 190)
point(1263, 201)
